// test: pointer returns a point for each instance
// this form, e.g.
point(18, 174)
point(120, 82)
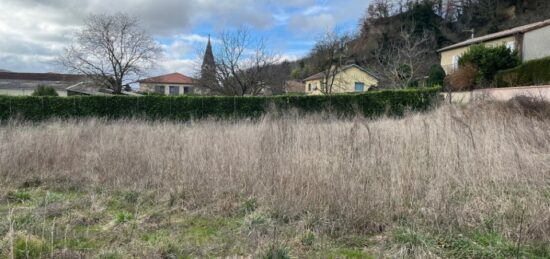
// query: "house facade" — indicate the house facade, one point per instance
point(531, 41)
point(349, 79)
point(170, 84)
point(12, 83)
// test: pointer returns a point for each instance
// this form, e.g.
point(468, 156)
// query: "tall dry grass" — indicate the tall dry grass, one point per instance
point(448, 169)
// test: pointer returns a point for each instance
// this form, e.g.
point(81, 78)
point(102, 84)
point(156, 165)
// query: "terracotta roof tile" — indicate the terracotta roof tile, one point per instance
point(174, 78)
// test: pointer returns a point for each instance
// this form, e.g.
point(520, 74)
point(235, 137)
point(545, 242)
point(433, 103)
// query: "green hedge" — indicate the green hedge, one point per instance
point(534, 72)
point(392, 102)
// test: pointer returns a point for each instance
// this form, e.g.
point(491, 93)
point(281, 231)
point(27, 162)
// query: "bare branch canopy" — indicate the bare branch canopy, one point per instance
point(111, 49)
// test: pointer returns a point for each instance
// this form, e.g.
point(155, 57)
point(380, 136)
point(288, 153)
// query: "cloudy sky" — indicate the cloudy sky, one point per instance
point(34, 32)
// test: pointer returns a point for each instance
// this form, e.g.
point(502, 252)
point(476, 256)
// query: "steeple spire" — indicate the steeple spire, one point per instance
point(208, 68)
point(208, 60)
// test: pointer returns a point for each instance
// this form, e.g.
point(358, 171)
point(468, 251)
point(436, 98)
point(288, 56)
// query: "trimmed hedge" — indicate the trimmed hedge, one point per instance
point(534, 72)
point(392, 102)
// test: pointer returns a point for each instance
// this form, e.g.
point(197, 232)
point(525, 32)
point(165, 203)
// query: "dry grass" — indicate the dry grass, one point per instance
point(449, 169)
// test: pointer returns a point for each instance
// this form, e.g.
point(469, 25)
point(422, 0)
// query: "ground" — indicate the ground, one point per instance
point(456, 182)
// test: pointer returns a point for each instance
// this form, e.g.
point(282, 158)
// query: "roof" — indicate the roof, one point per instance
point(86, 88)
point(293, 86)
point(41, 77)
point(498, 35)
point(344, 68)
point(29, 81)
point(174, 78)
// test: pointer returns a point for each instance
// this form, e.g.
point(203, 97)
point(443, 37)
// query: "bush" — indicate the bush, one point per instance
point(370, 104)
point(43, 90)
point(534, 72)
point(436, 76)
point(489, 60)
point(463, 79)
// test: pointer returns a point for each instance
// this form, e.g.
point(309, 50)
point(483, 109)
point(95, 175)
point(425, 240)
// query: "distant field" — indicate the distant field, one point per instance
point(454, 182)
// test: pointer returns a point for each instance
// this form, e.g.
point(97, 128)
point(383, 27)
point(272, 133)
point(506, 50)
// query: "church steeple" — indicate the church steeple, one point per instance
point(208, 60)
point(208, 68)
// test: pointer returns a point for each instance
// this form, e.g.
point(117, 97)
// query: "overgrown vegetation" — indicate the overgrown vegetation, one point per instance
point(488, 61)
point(452, 182)
point(370, 104)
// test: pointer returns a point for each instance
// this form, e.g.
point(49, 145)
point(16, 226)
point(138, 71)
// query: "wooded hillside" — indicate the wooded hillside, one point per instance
point(399, 38)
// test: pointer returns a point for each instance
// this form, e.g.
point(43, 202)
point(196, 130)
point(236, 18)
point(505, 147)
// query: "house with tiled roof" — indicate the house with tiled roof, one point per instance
point(531, 41)
point(170, 84)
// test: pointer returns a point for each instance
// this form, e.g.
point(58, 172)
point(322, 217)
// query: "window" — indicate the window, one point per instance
point(359, 87)
point(174, 90)
point(511, 45)
point(186, 90)
point(159, 89)
point(309, 87)
point(455, 61)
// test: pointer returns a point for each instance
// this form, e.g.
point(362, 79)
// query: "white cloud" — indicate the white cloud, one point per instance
point(312, 25)
point(316, 9)
point(34, 32)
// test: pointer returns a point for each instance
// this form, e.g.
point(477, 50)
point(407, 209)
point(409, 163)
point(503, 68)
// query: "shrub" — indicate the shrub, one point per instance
point(489, 60)
point(436, 76)
point(43, 90)
point(534, 72)
point(370, 104)
point(462, 79)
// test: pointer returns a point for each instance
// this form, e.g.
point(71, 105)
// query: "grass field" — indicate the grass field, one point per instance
point(453, 182)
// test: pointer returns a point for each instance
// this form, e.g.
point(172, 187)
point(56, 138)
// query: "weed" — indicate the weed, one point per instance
point(123, 217)
point(276, 252)
point(19, 196)
point(249, 206)
point(26, 246)
point(31, 183)
point(308, 239)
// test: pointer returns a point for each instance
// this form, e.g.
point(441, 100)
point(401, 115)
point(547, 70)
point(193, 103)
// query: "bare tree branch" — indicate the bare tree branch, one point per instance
point(243, 64)
point(111, 49)
point(404, 61)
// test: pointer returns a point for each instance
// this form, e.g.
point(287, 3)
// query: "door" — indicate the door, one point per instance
point(359, 87)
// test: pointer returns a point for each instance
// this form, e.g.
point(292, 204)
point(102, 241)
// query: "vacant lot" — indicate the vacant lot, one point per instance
point(454, 182)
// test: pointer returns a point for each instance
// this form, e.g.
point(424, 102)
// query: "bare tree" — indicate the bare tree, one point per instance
point(328, 56)
point(243, 64)
point(113, 50)
point(404, 60)
point(380, 9)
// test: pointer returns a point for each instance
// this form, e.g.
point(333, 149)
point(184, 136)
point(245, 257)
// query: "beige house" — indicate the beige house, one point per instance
point(350, 79)
point(170, 84)
point(532, 41)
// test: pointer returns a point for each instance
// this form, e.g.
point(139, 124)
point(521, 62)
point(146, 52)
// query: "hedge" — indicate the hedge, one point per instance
point(534, 72)
point(392, 102)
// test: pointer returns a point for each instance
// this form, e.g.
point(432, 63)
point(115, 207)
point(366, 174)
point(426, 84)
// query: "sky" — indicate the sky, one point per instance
point(33, 33)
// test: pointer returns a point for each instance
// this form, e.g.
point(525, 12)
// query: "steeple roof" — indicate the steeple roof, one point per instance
point(208, 60)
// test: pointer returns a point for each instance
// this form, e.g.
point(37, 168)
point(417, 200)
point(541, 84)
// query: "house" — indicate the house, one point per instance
point(293, 86)
point(170, 84)
point(348, 79)
point(12, 83)
point(532, 41)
